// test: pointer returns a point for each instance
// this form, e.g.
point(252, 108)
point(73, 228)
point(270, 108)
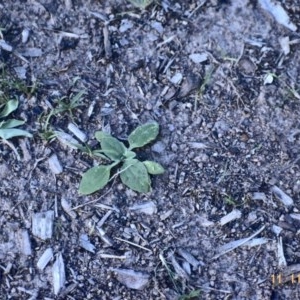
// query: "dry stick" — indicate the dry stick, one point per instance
point(104, 255)
point(194, 10)
point(235, 90)
point(241, 243)
point(212, 289)
point(9, 144)
point(133, 244)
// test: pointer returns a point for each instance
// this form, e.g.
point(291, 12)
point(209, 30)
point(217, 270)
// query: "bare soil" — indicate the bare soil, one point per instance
point(222, 80)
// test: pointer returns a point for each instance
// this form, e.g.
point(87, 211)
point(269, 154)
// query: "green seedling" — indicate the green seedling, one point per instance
point(10, 85)
point(64, 105)
point(193, 295)
point(133, 173)
point(68, 104)
point(229, 200)
point(8, 128)
point(206, 81)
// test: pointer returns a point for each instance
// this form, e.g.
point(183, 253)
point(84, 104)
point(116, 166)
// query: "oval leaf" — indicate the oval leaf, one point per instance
point(110, 146)
point(153, 168)
point(99, 135)
point(10, 133)
point(11, 123)
point(143, 135)
point(134, 174)
point(94, 179)
point(9, 107)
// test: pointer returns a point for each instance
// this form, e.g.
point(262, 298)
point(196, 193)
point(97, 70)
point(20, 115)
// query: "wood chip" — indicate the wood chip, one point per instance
point(32, 52)
point(235, 214)
point(148, 208)
point(104, 255)
point(54, 164)
point(5, 46)
point(280, 253)
point(58, 273)
point(198, 145)
point(67, 208)
point(177, 78)
point(77, 132)
point(276, 229)
point(132, 279)
point(45, 259)
point(42, 224)
point(277, 11)
point(24, 242)
point(191, 83)
point(167, 214)
point(104, 237)
point(104, 218)
point(66, 139)
point(25, 35)
point(189, 258)
point(281, 196)
point(107, 44)
point(285, 44)
point(235, 244)
point(198, 57)
point(295, 216)
point(85, 243)
point(259, 196)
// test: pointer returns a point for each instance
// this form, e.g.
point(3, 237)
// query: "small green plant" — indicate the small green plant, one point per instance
point(193, 295)
point(63, 105)
point(68, 104)
point(133, 173)
point(8, 128)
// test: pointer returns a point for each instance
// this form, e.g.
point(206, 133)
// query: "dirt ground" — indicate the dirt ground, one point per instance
point(222, 80)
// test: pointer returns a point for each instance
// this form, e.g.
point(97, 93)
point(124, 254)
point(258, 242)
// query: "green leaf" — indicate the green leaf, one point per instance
point(10, 133)
point(153, 168)
point(129, 154)
point(11, 123)
point(9, 107)
point(94, 179)
point(100, 135)
point(143, 135)
point(135, 175)
point(99, 154)
point(110, 146)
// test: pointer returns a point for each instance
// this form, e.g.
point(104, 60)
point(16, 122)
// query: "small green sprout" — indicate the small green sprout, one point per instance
point(7, 127)
point(193, 295)
point(133, 173)
point(63, 105)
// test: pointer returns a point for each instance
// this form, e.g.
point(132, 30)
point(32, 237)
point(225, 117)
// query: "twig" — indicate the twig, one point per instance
point(9, 144)
point(244, 241)
point(134, 244)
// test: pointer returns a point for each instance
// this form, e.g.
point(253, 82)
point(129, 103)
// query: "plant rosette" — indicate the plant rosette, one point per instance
point(134, 173)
